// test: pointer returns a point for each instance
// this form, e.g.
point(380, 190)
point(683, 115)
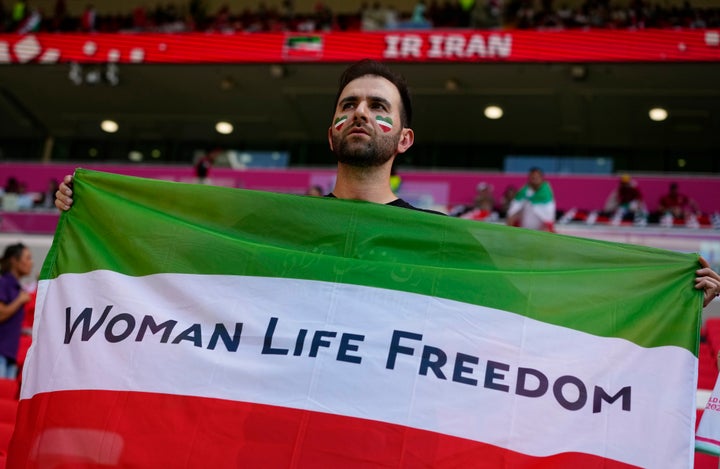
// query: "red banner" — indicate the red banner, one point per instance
point(697, 45)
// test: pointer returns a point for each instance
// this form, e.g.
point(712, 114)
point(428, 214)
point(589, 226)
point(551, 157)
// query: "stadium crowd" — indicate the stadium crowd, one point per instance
point(23, 17)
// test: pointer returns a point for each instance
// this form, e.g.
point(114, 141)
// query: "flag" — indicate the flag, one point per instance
point(303, 46)
point(183, 325)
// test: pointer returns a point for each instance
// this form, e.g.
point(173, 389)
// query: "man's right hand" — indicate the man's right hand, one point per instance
point(63, 196)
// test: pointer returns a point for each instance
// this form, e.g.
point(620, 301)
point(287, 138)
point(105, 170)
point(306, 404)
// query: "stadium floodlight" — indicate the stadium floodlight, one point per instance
point(658, 114)
point(493, 112)
point(109, 126)
point(224, 128)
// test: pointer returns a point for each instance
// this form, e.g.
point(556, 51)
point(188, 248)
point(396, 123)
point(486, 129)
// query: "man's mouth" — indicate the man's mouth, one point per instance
point(358, 130)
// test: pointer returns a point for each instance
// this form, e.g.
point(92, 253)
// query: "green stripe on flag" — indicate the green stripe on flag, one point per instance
point(140, 227)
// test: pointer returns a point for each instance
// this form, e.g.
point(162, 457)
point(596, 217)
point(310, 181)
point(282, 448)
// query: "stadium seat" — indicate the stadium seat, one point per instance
point(712, 331)
point(707, 367)
point(8, 388)
point(6, 431)
point(25, 341)
point(8, 410)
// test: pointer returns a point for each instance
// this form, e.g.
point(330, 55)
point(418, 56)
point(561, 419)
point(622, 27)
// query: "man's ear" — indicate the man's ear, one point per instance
point(407, 138)
point(330, 129)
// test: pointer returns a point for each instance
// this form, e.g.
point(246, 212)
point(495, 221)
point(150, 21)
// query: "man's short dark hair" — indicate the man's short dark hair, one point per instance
point(372, 67)
point(536, 169)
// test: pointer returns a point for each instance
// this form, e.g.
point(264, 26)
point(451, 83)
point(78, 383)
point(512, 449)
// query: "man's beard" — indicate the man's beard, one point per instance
point(366, 154)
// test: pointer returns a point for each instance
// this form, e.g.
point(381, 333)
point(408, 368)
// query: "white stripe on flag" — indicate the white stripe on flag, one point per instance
point(660, 378)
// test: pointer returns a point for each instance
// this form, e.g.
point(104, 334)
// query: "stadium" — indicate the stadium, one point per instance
point(603, 98)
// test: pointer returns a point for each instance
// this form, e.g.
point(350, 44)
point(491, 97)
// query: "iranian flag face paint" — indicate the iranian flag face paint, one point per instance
point(339, 122)
point(385, 123)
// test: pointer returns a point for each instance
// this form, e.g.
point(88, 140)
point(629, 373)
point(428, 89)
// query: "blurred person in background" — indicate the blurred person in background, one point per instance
point(314, 191)
point(677, 204)
point(625, 202)
point(16, 263)
point(47, 198)
point(506, 199)
point(534, 204)
point(483, 206)
point(204, 165)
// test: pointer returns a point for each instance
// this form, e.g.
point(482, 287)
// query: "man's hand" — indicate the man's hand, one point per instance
point(708, 281)
point(63, 196)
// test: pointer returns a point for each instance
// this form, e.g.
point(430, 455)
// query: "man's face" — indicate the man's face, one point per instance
point(366, 130)
point(24, 264)
point(535, 179)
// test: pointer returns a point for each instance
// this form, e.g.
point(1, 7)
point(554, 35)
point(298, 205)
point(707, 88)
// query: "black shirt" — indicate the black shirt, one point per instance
point(402, 204)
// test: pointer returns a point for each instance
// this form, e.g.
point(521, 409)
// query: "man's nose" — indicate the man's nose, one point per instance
point(361, 111)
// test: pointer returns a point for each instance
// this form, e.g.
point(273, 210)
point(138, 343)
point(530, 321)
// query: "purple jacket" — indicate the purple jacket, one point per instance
point(10, 329)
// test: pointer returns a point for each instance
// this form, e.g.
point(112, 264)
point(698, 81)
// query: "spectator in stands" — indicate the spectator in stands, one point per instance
point(418, 17)
point(31, 23)
point(483, 205)
point(395, 179)
point(534, 205)
point(484, 198)
point(506, 199)
point(16, 263)
point(47, 198)
point(3, 16)
point(677, 204)
point(59, 15)
point(625, 202)
point(12, 186)
point(87, 20)
point(204, 164)
point(19, 12)
point(315, 190)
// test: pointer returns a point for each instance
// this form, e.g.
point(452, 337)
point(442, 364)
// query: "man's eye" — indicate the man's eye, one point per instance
point(346, 106)
point(379, 106)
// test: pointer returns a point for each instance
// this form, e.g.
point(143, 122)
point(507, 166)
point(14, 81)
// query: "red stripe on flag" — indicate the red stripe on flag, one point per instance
point(134, 429)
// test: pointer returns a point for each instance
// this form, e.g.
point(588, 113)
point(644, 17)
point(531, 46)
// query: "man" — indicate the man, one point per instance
point(625, 201)
point(204, 165)
point(534, 204)
point(370, 127)
point(676, 204)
